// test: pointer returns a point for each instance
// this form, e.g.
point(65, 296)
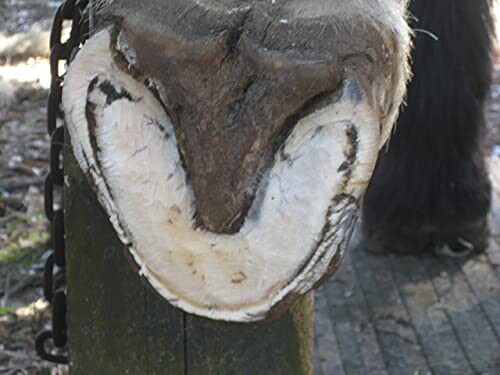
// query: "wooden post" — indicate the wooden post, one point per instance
point(117, 324)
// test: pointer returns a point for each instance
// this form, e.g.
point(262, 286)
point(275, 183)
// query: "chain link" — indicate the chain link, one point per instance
point(54, 285)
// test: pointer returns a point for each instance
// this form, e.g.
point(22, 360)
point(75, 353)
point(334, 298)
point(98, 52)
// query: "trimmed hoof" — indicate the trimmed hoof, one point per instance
point(458, 242)
point(293, 233)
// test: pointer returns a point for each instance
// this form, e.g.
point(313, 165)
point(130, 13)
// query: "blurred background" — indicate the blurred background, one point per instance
point(24, 145)
point(24, 82)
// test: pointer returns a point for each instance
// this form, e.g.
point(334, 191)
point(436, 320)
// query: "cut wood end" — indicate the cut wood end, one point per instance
point(294, 233)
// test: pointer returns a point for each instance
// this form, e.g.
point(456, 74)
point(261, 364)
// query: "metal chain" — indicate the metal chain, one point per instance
point(54, 287)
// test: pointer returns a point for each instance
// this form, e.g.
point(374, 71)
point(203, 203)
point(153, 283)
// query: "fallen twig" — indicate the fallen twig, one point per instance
point(9, 188)
point(6, 292)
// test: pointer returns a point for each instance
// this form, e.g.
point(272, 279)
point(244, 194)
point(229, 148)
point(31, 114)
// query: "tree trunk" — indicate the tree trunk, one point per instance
point(117, 324)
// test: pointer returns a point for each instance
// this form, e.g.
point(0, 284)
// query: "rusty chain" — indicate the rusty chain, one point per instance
point(54, 288)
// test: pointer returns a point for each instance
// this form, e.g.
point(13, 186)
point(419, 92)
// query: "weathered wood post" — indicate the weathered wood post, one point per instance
point(216, 164)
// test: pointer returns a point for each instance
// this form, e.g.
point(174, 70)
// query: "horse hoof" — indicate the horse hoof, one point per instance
point(461, 241)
